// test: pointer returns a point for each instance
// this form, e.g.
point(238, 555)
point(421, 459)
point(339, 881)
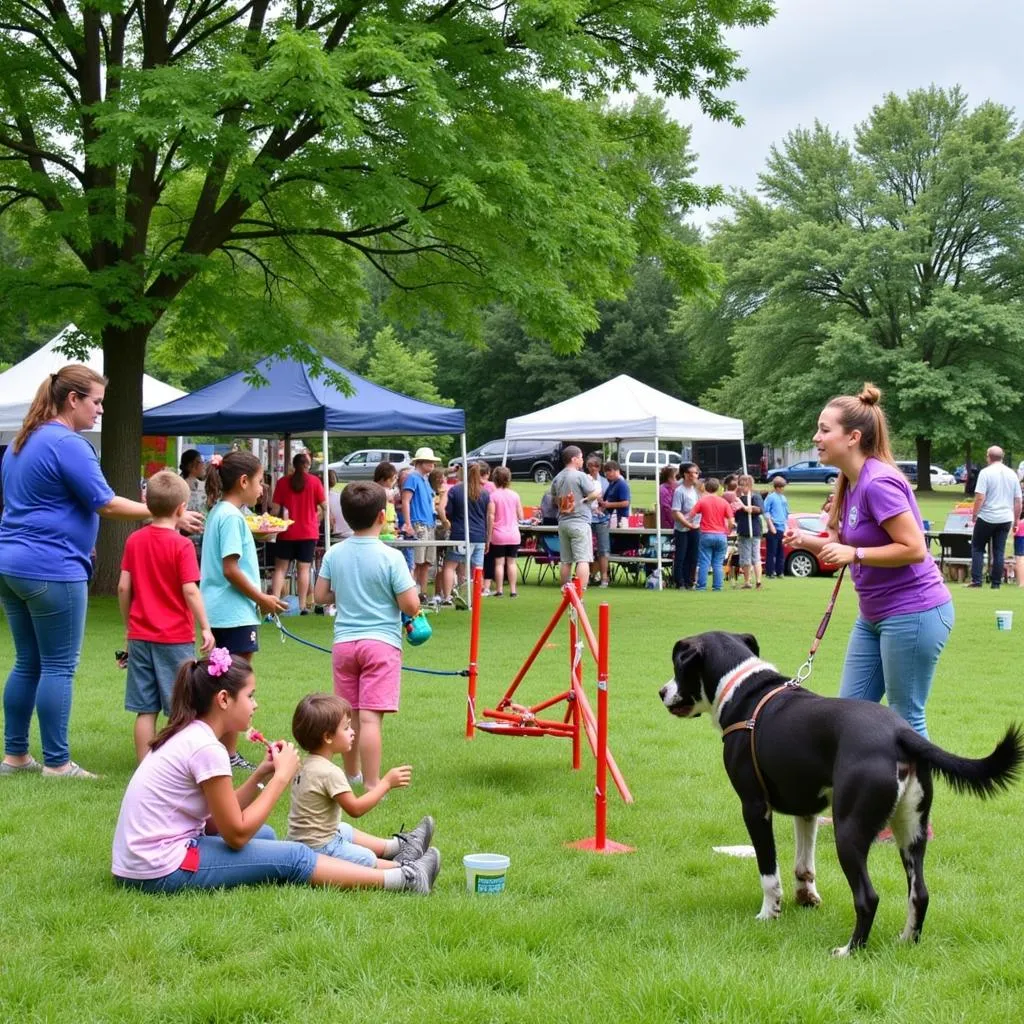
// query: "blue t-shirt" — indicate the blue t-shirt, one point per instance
point(52, 490)
point(477, 516)
point(226, 533)
point(618, 490)
point(421, 508)
point(776, 508)
point(366, 577)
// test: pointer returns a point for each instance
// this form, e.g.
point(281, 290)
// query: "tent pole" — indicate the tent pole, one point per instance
point(181, 449)
point(504, 454)
point(327, 509)
point(743, 454)
point(657, 506)
point(465, 517)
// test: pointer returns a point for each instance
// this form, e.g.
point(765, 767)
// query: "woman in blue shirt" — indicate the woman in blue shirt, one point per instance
point(54, 493)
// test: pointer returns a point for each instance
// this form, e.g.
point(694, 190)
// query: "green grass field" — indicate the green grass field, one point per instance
point(664, 934)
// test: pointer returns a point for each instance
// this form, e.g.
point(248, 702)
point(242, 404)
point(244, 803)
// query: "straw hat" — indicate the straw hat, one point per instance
point(425, 455)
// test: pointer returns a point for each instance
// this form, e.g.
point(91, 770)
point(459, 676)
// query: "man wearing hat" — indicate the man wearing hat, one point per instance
point(418, 515)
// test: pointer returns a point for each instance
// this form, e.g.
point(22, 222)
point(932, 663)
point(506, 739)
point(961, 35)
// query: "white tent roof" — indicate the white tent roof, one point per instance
point(623, 407)
point(18, 385)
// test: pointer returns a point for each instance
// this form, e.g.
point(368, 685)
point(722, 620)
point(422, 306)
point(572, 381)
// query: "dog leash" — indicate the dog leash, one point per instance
point(803, 673)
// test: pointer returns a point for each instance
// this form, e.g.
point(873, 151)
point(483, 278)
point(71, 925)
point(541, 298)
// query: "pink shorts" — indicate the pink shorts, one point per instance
point(368, 674)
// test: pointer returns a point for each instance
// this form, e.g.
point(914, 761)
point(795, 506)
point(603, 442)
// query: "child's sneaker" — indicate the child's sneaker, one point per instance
point(419, 876)
point(237, 761)
point(413, 844)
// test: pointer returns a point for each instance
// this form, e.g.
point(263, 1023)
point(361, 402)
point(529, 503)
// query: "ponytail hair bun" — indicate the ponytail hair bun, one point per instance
point(870, 394)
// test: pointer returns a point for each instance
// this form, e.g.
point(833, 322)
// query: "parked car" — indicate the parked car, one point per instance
point(647, 464)
point(360, 465)
point(800, 562)
point(960, 473)
point(939, 476)
point(528, 460)
point(808, 472)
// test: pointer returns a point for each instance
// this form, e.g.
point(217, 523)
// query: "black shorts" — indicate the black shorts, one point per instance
point(237, 639)
point(504, 550)
point(294, 550)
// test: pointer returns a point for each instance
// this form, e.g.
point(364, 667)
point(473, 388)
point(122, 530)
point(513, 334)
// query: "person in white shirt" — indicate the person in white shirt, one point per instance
point(996, 511)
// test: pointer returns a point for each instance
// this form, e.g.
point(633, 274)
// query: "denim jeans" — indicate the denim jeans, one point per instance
point(896, 658)
point(983, 533)
point(47, 620)
point(262, 859)
point(343, 847)
point(775, 560)
point(712, 555)
point(684, 557)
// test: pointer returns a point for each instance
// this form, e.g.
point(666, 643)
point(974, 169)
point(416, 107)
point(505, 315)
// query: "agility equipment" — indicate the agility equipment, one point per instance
point(513, 719)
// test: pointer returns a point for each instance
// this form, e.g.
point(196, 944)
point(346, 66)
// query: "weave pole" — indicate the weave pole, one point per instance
point(474, 650)
point(600, 843)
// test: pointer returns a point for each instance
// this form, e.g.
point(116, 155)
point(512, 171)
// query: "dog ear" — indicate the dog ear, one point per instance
point(687, 656)
point(751, 642)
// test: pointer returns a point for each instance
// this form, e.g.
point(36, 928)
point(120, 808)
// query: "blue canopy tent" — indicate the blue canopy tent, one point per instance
point(294, 402)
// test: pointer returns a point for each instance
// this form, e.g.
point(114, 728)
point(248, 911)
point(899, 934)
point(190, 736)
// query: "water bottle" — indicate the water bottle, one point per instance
point(613, 521)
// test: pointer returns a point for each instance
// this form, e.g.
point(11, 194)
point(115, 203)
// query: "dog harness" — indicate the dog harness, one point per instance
point(750, 724)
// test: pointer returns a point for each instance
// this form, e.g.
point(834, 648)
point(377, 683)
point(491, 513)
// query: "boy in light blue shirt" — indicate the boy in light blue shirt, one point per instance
point(776, 508)
point(371, 586)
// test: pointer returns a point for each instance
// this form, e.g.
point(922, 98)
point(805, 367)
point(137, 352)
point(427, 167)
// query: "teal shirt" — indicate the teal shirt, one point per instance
point(366, 577)
point(226, 534)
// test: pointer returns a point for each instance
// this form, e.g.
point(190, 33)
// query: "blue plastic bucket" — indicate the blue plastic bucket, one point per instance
point(485, 872)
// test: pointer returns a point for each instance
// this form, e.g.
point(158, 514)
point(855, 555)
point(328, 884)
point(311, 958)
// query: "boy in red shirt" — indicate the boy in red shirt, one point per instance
point(716, 523)
point(158, 593)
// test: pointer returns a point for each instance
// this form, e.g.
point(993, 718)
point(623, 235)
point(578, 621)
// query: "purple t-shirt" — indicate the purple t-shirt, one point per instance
point(881, 493)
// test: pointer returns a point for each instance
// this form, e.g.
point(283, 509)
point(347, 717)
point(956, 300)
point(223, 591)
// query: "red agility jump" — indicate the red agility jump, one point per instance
point(512, 719)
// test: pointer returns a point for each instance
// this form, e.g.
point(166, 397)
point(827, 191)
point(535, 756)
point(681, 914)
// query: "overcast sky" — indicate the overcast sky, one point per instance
point(835, 59)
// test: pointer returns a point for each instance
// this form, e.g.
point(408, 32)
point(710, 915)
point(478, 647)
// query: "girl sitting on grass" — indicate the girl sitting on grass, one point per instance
point(183, 826)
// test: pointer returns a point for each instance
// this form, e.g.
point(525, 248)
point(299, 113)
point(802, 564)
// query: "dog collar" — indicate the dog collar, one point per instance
point(743, 671)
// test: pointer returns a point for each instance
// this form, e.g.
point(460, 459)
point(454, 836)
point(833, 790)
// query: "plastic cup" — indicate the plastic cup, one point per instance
point(485, 872)
point(1004, 621)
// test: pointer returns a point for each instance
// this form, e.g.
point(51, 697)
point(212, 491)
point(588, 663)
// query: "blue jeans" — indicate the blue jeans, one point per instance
point(983, 533)
point(262, 859)
point(896, 658)
point(712, 555)
point(47, 620)
point(775, 560)
point(343, 847)
point(684, 557)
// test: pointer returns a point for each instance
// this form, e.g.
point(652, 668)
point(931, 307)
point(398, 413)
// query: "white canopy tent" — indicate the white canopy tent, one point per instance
point(623, 407)
point(19, 384)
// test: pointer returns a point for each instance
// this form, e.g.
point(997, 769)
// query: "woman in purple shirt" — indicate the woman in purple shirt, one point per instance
point(874, 526)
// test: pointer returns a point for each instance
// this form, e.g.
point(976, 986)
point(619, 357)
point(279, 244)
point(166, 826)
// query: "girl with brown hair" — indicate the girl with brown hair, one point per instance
point(54, 494)
point(301, 495)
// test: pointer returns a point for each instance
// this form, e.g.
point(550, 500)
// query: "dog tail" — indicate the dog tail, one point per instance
point(983, 776)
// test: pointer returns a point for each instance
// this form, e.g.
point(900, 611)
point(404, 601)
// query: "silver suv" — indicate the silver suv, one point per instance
point(360, 465)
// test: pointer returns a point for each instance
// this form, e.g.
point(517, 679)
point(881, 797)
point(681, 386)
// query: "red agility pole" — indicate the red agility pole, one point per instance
point(474, 650)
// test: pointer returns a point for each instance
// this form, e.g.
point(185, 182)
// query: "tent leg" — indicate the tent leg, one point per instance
point(327, 510)
point(465, 518)
point(657, 510)
point(743, 454)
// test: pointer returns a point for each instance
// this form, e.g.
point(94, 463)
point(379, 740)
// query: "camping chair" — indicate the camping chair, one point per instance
point(548, 556)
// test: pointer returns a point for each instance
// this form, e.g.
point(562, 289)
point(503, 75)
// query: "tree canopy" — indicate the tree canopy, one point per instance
point(226, 165)
point(895, 258)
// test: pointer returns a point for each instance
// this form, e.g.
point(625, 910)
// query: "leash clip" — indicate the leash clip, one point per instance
point(804, 671)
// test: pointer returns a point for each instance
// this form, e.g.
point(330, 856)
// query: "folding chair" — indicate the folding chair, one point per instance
point(548, 556)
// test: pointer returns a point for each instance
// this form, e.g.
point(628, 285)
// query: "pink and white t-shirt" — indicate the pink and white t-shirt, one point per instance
point(164, 807)
point(506, 516)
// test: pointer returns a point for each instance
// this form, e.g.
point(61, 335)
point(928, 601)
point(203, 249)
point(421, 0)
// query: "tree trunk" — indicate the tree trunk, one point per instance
point(924, 463)
point(124, 357)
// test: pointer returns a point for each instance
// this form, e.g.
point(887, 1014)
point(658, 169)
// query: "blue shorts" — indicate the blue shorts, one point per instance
point(342, 847)
point(262, 859)
point(152, 669)
point(458, 554)
point(237, 639)
point(1018, 547)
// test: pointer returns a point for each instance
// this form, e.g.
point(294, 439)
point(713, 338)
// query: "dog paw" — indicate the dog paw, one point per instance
point(841, 951)
point(807, 897)
point(769, 913)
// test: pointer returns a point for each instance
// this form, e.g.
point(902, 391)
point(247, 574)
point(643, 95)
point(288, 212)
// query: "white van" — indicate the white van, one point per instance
point(647, 464)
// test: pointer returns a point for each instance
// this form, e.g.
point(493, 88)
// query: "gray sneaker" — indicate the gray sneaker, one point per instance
point(413, 844)
point(419, 876)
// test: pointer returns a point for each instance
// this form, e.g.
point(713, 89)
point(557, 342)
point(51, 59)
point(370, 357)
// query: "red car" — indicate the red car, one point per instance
point(800, 562)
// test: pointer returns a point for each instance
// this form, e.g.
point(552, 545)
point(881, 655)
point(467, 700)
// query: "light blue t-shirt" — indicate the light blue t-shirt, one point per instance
point(52, 490)
point(421, 507)
point(776, 508)
point(366, 577)
point(226, 533)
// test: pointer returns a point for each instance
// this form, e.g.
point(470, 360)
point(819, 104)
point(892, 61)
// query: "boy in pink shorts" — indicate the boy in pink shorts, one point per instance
point(371, 586)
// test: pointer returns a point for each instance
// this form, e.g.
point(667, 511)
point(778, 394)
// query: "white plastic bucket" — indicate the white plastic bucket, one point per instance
point(485, 872)
point(293, 604)
point(1004, 621)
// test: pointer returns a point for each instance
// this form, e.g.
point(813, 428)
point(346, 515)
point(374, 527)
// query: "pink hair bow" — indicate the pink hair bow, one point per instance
point(216, 460)
point(220, 661)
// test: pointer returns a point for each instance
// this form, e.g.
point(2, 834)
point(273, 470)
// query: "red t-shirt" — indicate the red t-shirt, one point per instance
point(713, 513)
point(301, 506)
point(161, 562)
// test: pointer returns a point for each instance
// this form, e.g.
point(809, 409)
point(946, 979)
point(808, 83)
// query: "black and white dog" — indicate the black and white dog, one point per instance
point(795, 752)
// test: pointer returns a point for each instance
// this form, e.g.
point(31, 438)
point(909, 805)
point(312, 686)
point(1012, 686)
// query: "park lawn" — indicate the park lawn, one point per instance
point(664, 934)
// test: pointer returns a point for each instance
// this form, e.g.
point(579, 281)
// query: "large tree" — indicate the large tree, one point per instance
point(199, 162)
point(895, 258)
